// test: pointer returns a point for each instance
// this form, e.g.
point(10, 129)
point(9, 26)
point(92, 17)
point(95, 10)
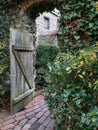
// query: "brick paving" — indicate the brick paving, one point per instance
point(35, 116)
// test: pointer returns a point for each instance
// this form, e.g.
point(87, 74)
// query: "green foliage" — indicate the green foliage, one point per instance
point(5, 20)
point(44, 54)
point(96, 6)
point(4, 65)
point(72, 92)
point(78, 23)
point(3, 59)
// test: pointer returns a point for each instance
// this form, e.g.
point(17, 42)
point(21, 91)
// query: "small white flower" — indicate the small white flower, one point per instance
point(68, 68)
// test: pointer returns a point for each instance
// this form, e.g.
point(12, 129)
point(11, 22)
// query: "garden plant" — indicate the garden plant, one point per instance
point(72, 89)
point(45, 54)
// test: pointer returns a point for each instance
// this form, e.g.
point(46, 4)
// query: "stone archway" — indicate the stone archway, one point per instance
point(21, 16)
point(22, 39)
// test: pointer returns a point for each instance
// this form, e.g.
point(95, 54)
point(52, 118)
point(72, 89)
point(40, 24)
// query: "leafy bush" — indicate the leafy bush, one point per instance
point(4, 67)
point(78, 23)
point(72, 92)
point(44, 54)
point(5, 20)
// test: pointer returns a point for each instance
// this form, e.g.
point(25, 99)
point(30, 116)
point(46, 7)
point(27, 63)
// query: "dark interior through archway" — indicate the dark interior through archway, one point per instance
point(40, 7)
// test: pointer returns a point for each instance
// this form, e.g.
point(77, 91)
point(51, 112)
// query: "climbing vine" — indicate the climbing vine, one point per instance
point(4, 53)
point(78, 23)
point(70, 99)
point(5, 21)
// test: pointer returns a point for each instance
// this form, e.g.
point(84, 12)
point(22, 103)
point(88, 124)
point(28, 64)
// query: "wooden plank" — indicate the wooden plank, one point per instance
point(21, 67)
point(23, 48)
point(22, 96)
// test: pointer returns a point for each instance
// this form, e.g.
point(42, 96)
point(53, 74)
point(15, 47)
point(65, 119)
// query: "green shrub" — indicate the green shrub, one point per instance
point(78, 23)
point(72, 92)
point(4, 67)
point(44, 55)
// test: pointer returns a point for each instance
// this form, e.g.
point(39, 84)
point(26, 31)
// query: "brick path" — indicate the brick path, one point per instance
point(36, 116)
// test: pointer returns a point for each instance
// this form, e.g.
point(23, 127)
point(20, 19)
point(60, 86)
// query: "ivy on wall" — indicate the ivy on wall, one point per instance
point(5, 19)
point(78, 23)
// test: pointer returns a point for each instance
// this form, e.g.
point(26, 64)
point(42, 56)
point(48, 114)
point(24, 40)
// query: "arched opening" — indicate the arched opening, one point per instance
point(21, 27)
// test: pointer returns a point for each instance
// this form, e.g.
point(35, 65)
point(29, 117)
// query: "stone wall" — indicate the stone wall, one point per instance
point(24, 23)
point(14, 17)
point(46, 39)
point(44, 34)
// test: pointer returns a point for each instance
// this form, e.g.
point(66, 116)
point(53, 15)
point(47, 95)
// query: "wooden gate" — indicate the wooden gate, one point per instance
point(22, 69)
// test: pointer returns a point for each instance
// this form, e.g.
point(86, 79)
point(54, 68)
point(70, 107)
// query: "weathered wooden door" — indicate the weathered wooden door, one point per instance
point(22, 69)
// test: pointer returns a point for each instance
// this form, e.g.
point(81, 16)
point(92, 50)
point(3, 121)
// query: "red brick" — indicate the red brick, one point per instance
point(41, 128)
point(19, 117)
point(30, 114)
point(47, 121)
point(41, 120)
point(20, 113)
point(41, 103)
point(28, 106)
point(35, 126)
point(39, 114)
point(9, 126)
point(30, 117)
point(33, 120)
point(48, 129)
point(36, 117)
point(47, 113)
point(8, 122)
point(16, 122)
point(18, 127)
point(37, 110)
point(51, 125)
point(29, 110)
point(36, 107)
point(26, 127)
point(23, 122)
point(45, 109)
point(43, 106)
point(10, 117)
